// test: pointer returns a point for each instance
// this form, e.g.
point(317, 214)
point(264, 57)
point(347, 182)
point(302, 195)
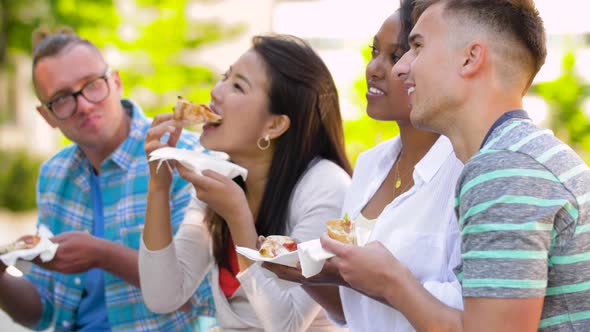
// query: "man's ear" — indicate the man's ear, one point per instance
point(278, 126)
point(475, 54)
point(48, 117)
point(117, 80)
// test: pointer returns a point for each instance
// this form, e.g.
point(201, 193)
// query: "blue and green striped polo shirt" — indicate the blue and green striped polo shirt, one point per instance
point(523, 204)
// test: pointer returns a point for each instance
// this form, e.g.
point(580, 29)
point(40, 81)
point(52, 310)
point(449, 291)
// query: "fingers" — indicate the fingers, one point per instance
point(174, 137)
point(201, 182)
point(27, 239)
point(336, 247)
point(375, 244)
point(162, 124)
point(186, 173)
point(59, 238)
point(164, 117)
point(284, 272)
point(214, 175)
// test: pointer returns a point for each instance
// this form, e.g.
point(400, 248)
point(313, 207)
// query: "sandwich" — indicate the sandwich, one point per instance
point(192, 114)
point(276, 245)
point(341, 230)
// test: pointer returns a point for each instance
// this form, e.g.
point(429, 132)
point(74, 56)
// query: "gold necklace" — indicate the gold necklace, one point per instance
point(398, 179)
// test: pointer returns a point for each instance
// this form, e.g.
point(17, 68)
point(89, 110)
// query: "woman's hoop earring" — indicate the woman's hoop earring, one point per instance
point(266, 142)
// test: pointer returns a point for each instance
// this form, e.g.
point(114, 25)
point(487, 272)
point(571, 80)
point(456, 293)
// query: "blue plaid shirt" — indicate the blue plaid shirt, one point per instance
point(64, 203)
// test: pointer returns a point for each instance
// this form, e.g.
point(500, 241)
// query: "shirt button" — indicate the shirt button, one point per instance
point(65, 323)
point(77, 281)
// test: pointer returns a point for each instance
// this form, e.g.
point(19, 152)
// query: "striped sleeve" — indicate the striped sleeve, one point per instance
point(507, 204)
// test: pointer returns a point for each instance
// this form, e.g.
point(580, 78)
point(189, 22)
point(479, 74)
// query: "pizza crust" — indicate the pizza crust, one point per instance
point(341, 230)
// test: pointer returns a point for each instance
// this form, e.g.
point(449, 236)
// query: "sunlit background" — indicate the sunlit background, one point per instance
point(165, 48)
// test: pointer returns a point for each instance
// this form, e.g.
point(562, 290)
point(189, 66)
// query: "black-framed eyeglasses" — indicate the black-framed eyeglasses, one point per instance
point(95, 91)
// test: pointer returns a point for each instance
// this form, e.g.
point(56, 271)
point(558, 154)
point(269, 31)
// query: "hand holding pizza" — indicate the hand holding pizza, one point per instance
point(366, 268)
point(161, 125)
point(77, 252)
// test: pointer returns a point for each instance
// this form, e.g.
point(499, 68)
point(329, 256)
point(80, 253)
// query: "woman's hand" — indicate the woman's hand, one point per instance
point(162, 124)
point(221, 194)
point(329, 275)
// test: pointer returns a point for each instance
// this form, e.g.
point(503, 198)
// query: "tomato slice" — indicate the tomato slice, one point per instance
point(291, 246)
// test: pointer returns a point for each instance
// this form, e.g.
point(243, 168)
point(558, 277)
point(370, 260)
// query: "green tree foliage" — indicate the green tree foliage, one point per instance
point(163, 51)
point(94, 19)
point(17, 180)
point(157, 41)
point(363, 133)
point(565, 96)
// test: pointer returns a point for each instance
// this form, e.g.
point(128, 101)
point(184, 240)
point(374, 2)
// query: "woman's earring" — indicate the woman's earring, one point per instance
point(265, 142)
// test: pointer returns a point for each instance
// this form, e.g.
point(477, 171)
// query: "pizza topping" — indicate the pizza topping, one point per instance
point(276, 245)
point(341, 230)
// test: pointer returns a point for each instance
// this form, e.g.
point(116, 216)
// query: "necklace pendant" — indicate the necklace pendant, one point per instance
point(398, 183)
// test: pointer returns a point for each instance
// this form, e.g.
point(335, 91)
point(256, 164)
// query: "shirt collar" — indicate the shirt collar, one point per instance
point(127, 151)
point(124, 154)
point(518, 114)
point(429, 165)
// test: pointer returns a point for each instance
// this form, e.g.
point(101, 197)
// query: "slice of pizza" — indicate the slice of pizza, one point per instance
point(341, 230)
point(192, 114)
point(26, 242)
point(276, 245)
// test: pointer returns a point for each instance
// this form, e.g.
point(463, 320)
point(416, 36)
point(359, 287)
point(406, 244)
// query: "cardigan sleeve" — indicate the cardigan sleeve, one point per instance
point(170, 276)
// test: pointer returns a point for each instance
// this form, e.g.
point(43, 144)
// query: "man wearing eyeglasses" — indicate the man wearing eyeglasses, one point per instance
point(92, 194)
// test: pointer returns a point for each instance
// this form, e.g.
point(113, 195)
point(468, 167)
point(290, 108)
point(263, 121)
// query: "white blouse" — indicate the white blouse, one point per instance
point(419, 228)
point(170, 276)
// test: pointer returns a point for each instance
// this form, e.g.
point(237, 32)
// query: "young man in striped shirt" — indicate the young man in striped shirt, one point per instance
point(523, 199)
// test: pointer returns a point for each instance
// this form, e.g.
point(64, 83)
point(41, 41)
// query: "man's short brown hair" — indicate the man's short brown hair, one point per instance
point(517, 20)
point(47, 43)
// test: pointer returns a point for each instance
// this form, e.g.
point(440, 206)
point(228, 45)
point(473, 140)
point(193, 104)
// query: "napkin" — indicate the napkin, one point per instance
point(45, 249)
point(198, 162)
point(312, 256)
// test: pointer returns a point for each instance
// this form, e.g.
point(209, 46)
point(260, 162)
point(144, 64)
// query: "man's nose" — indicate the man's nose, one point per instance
point(82, 104)
point(401, 68)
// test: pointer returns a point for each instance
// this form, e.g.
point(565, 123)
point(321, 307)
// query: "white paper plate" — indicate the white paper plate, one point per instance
point(289, 259)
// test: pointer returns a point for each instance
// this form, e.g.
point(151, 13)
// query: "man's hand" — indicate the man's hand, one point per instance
point(77, 252)
point(371, 269)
